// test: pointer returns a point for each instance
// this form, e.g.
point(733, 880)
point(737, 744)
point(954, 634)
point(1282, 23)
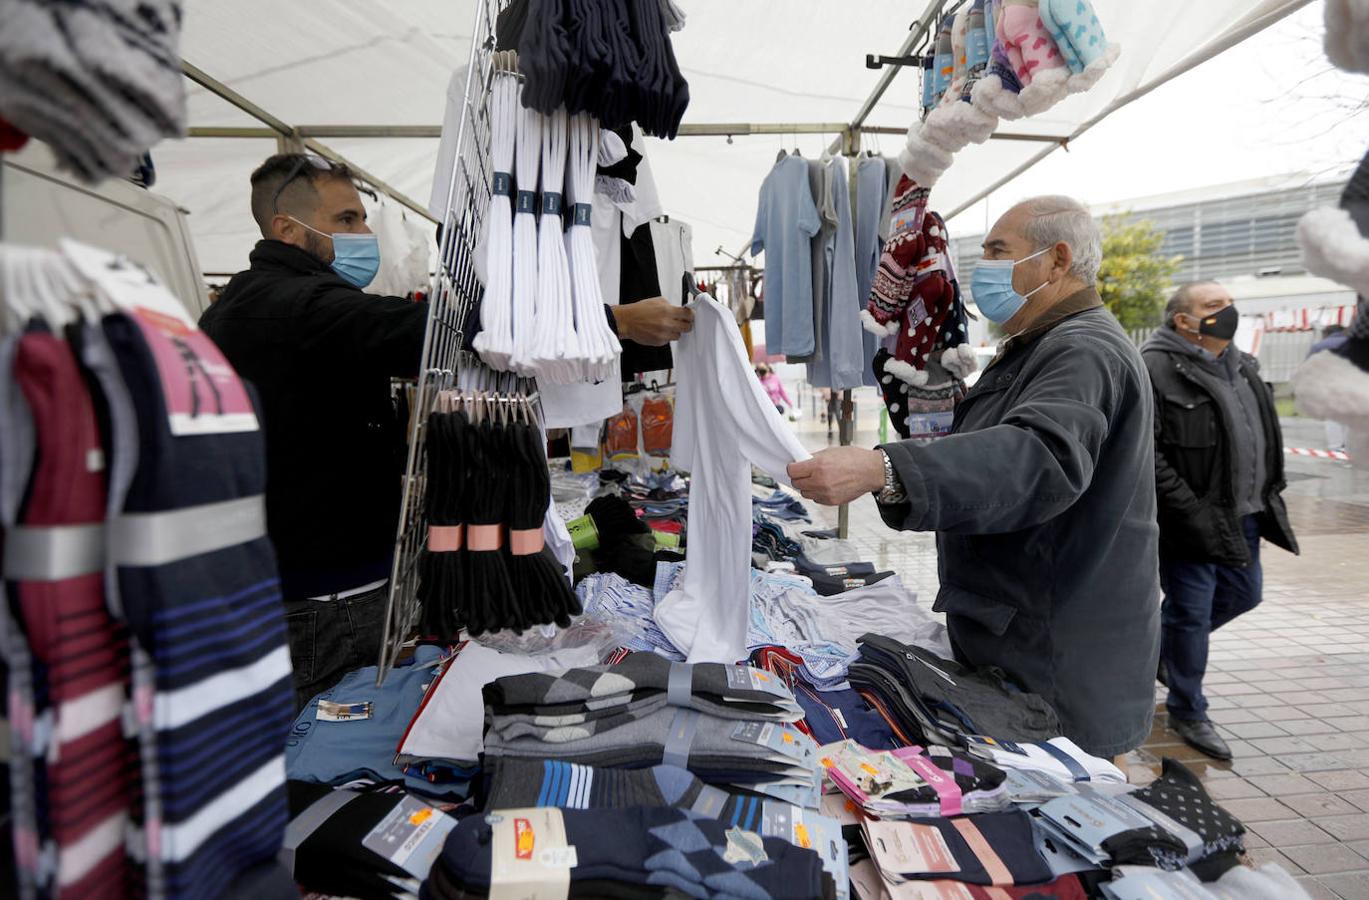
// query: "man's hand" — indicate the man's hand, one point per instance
point(653, 322)
point(839, 475)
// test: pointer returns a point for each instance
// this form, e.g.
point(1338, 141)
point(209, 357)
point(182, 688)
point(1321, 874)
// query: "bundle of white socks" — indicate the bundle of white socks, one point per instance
point(542, 314)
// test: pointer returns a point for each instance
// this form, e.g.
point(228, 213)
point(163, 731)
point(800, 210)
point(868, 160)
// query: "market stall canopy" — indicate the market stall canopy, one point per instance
point(339, 67)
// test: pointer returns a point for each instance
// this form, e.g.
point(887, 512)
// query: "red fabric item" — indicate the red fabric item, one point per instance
point(1066, 887)
point(658, 425)
point(622, 433)
point(83, 650)
point(931, 299)
point(11, 138)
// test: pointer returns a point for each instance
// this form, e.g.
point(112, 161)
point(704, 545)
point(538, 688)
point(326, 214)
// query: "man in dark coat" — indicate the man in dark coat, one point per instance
point(1043, 495)
point(321, 351)
point(1219, 473)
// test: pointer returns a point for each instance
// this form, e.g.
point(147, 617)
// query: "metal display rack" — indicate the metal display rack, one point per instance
point(445, 364)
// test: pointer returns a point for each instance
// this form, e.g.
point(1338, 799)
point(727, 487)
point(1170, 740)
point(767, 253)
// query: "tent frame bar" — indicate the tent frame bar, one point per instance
point(289, 138)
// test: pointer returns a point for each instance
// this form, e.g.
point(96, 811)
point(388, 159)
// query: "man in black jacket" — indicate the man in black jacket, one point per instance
point(321, 352)
point(1218, 475)
point(1043, 494)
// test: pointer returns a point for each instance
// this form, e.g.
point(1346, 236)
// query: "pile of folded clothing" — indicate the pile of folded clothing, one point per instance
point(443, 736)
point(930, 700)
point(726, 724)
point(914, 781)
point(641, 852)
point(517, 783)
point(1171, 824)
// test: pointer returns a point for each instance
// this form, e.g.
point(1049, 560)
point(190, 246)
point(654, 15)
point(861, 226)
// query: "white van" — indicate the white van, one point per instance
point(40, 205)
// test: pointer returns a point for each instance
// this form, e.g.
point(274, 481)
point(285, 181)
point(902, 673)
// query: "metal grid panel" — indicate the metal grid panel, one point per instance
point(452, 301)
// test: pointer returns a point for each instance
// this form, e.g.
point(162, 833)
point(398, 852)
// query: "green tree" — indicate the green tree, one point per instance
point(1135, 277)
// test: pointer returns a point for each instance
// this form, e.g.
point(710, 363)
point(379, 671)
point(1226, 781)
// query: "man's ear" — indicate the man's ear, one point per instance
point(1061, 259)
point(285, 229)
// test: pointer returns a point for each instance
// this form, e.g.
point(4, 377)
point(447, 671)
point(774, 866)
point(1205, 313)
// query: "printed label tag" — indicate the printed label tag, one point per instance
point(328, 711)
point(781, 738)
point(527, 202)
point(744, 846)
point(745, 678)
point(930, 425)
point(411, 836)
point(905, 848)
point(811, 832)
point(530, 859)
point(202, 393)
point(503, 184)
point(996, 744)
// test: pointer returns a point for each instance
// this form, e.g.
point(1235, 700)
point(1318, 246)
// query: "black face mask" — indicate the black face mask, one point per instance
point(1222, 324)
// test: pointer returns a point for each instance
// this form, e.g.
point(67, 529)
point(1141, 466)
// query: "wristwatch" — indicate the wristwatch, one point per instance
point(893, 491)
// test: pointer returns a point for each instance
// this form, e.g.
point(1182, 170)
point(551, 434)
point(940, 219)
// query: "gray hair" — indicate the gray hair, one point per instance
point(1056, 219)
point(1181, 301)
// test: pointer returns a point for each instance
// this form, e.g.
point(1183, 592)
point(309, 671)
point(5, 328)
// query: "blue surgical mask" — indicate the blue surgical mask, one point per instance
point(356, 257)
point(992, 287)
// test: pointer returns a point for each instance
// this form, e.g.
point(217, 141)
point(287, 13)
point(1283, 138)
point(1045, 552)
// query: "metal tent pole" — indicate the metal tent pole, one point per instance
point(290, 139)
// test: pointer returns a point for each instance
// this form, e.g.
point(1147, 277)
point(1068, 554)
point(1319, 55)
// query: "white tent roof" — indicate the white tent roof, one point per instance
point(351, 63)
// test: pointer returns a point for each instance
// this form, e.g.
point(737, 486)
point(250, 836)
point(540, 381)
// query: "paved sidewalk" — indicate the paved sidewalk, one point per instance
point(1288, 682)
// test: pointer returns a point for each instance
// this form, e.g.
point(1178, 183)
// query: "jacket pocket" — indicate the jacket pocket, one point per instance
point(993, 615)
point(1189, 422)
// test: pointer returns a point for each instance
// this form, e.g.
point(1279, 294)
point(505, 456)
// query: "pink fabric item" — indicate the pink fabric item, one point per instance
point(1030, 46)
point(952, 799)
point(774, 389)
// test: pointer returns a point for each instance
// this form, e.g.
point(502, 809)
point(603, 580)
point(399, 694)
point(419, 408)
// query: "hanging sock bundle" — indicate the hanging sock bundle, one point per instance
point(556, 354)
point(527, 156)
point(494, 343)
point(486, 569)
point(889, 291)
point(599, 346)
point(541, 593)
point(1074, 26)
point(613, 59)
point(442, 573)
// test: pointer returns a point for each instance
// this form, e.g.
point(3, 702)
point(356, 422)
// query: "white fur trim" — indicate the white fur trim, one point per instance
point(959, 360)
point(941, 130)
point(871, 324)
point(968, 124)
point(990, 97)
point(905, 372)
point(1347, 34)
point(923, 162)
point(1333, 248)
point(1094, 71)
point(1329, 386)
point(1047, 89)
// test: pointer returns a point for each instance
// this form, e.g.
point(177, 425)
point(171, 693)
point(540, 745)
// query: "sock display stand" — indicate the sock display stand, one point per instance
point(447, 361)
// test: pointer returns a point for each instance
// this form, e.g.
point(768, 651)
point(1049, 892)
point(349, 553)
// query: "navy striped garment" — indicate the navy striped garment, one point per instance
point(218, 709)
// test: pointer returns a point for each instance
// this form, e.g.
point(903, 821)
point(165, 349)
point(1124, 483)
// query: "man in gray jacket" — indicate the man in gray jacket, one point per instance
point(1043, 495)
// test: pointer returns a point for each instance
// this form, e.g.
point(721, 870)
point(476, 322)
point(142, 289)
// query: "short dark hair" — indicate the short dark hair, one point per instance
point(1181, 301)
point(286, 181)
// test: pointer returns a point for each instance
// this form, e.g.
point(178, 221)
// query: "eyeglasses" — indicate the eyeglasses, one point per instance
point(305, 159)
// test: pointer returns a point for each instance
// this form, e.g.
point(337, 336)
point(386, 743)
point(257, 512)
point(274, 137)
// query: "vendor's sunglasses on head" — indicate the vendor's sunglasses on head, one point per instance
point(305, 159)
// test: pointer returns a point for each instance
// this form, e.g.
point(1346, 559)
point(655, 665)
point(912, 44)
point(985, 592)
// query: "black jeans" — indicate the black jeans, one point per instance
point(329, 638)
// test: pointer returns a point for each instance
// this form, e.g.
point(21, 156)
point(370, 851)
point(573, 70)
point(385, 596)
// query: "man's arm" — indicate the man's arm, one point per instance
point(654, 322)
point(1021, 472)
point(355, 329)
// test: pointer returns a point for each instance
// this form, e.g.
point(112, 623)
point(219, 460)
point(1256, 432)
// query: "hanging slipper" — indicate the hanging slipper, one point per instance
point(997, 93)
point(1040, 67)
point(893, 279)
point(1079, 36)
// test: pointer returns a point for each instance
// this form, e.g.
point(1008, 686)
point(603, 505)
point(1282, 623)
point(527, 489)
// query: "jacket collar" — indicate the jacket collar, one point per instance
point(271, 255)
point(1080, 301)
